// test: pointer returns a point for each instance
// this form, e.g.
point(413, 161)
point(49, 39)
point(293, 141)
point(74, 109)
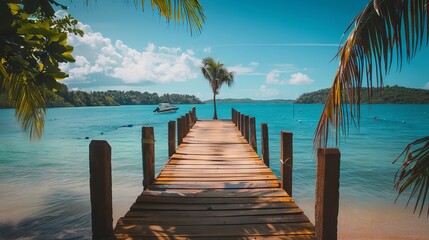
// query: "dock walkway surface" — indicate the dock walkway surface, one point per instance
point(215, 187)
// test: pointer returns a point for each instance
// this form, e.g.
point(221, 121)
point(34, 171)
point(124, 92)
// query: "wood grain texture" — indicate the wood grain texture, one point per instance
point(215, 187)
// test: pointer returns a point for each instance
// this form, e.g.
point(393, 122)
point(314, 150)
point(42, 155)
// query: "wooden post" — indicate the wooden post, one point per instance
point(239, 121)
point(148, 153)
point(100, 182)
point(191, 121)
point(187, 123)
point(171, 138)
point(233, 115)
point(193, 117)
point(237, 116)
point(286, 154)
point(327, 193)
point(194, 112)
point(252, 126)
point(264, 144)
point(179, 131)
point(246, 128)
point(242, 124)
point(184, 126)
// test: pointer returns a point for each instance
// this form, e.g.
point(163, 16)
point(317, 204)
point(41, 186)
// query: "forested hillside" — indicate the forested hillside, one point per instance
point(392, 95)
point(65, 98)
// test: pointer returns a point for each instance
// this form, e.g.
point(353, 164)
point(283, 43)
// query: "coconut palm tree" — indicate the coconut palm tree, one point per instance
point(33, 43)
point(217, 75)
point(384, 32)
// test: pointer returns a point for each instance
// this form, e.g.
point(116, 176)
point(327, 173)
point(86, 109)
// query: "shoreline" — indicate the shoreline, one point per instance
point(375, 221)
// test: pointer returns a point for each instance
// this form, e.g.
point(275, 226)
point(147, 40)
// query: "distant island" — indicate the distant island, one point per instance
point(386, 95)
point(66, 98)
point(248, 100)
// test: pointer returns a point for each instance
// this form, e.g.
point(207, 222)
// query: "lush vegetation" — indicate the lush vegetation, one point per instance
point(65, 98)
point(387, 95)
point(248, 100)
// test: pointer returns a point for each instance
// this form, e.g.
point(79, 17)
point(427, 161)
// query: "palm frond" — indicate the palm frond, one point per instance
point(29, 103)
point(190, 12)
point(414, 172)
point(376, 36)
point(386, 31)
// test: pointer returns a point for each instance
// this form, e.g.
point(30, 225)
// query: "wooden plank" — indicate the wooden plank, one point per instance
point(218, 231)
point(192, 200)
point(222, 192)
point(202, 213)
point(265, 237)
point(211, 207)
point(206, 221)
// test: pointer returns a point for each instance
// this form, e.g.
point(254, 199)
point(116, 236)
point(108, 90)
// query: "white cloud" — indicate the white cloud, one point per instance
point(242, 70)
point(97, 54)
point(426, 86)
point(268, 92)
point(299, 78)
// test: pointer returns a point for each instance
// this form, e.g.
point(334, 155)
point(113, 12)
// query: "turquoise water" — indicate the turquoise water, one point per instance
point(44, 187)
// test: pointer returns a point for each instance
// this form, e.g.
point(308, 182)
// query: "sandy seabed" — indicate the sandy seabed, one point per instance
point(371, 221)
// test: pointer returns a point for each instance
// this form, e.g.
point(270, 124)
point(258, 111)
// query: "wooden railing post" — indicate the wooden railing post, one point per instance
point(237, 116)
point(327, 193)
point(238, 121)
point(264, 144)
point(286, 154)
point(179, 131)
point(246, 128)
point(252, 126)
point(232, 115)
point(100, 182)
point(194, 114)
point(171, 138)
point(242, 124)
point(186, 124)
point(183, 126)
point(148, 152)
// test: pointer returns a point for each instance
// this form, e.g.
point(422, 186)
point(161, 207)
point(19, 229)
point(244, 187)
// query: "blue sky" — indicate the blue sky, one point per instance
point(277, 49)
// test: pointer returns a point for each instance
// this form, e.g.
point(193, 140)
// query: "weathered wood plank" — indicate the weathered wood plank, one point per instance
point(218, 231)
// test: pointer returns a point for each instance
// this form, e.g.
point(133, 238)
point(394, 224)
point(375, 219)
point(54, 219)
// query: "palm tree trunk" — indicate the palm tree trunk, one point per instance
point(214, 105)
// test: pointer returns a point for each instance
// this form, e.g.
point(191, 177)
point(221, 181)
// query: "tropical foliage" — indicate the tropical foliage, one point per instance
point(217, 75)
point(386, 95)
point(65, 98)
point(380, 36)
point(33, 42)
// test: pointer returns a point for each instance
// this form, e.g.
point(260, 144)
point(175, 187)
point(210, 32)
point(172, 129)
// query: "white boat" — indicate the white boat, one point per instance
point(165, 108)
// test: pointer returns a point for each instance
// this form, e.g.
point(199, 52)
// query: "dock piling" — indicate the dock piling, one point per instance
point(286, 153)
point(252, 126)
point(148, 156)
point(179, 131)
point(264, 144)
point(171, 138)
point(246, 128)
point(100, 181)
point(327, 193)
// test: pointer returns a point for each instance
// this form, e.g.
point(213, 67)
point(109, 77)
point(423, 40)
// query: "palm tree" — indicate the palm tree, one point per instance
point(28, 62)
point(217, 75)
point(385, 31)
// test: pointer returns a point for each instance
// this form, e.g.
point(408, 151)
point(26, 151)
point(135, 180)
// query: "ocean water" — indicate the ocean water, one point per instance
point(44, 187)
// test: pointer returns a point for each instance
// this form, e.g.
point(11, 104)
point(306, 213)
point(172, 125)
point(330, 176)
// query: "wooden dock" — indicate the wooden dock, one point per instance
point(214, 187)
